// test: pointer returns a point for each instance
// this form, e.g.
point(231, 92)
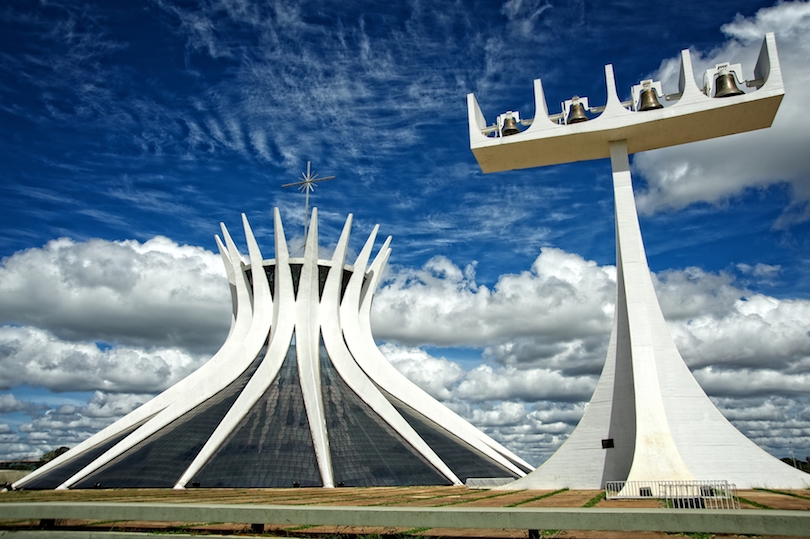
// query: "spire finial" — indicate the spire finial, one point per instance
point(305, 185)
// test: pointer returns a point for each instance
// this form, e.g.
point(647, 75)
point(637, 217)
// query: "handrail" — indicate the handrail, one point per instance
point(746, 522)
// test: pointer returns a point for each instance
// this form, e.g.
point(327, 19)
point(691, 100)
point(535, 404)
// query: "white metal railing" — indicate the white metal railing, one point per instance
point(677, 494)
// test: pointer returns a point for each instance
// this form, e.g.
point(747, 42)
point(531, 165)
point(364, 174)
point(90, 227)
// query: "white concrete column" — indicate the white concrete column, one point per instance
point(656, 458)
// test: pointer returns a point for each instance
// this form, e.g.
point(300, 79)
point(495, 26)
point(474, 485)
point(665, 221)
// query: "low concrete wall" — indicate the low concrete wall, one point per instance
point(749, 522)
point(10, 476)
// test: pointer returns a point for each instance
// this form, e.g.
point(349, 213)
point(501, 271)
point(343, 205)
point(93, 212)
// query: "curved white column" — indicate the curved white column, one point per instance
point(226, 262)
point(279, 344)
point(230, 364)
point(656, 457)
point(346, 365)
point(342, 320)
point(307, 347)
point(355, 315)
point(187, 386)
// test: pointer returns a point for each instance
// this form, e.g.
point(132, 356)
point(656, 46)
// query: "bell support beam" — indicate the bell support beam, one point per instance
point(693, 117)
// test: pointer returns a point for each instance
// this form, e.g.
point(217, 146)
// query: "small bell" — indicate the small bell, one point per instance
point(509, 127)
point(726, 86)
point(649, 100)
point(576, 113)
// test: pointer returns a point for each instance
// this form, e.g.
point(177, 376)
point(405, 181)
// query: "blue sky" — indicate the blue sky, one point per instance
point(129, 130)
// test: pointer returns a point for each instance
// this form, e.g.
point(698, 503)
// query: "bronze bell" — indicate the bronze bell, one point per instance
point(576, 113)
point(649, 100)
point(726, 86)
point(509, 127)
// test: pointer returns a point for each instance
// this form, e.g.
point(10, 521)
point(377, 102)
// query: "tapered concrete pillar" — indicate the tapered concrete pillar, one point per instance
point(655, 455)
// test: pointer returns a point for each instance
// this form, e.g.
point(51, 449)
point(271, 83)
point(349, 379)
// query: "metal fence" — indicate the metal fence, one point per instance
point(677, 494)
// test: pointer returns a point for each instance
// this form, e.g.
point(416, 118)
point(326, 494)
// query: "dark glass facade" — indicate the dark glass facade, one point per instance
point(365, 450)
point(323, 271)
point(63, 472)
point(463, 459)
point(272, 445)
point(160, 460)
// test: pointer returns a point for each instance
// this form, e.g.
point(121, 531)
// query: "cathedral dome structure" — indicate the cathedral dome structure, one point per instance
point(298, 395)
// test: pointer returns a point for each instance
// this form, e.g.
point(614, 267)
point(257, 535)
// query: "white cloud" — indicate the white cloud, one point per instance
point(501, 414)
point(34, 357)
point(756, 331)
point(542, 335)
point(485, 383)
point(67, 425)
point(714, 171)
point(9, 403)
point(764, 271)
point(751, 382)
point(152, 294)
point(562, 295)
point(434, 375)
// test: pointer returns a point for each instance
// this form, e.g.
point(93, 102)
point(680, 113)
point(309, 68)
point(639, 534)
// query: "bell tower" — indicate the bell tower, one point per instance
point(648, 419)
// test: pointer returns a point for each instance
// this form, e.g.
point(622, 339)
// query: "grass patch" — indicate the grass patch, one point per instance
point(414, 531)
point(407, 497)
point(546, 495)
point(784, 493)
point(547, 533)
point(457, 502)
point(752, 502)
point(299, 528)
point(596, 499)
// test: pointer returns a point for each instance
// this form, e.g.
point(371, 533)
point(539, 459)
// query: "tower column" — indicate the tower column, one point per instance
point(655, 455)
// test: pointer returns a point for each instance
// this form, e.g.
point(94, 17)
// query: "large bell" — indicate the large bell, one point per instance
point(509, 127)
point(649, 100)
point(726, 86)
point(576, 113)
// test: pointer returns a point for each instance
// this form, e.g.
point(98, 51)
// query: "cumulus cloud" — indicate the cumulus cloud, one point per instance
point(739, 344)
point(435, 375)
point(561, 295)
point(9, 403)
point(152, 294)
point(715, 170)
point(31, 356)
point(484, 383)
point(541, 334)
point(66, 424)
